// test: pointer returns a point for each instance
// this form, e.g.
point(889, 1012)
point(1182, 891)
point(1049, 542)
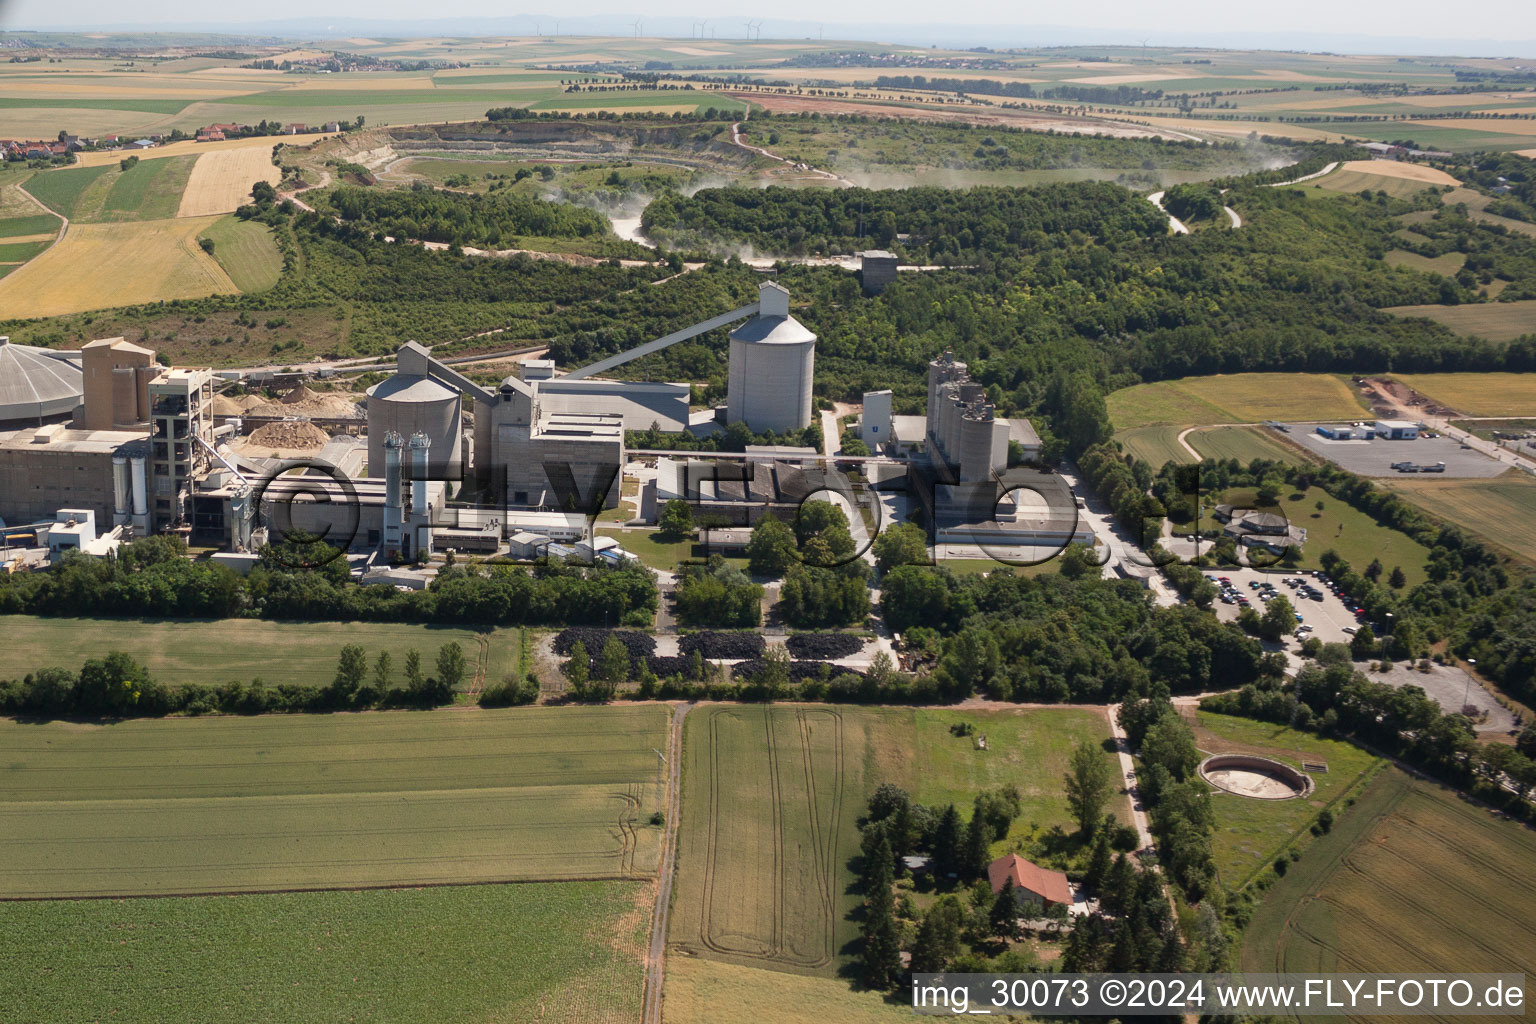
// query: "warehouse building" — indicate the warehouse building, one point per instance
point(1397, 430)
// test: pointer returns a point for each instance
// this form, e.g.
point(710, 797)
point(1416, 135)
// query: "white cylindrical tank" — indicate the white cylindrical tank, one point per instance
point(140, 486)
point(407, 404)
point(119, 490)
point(949, 419)
point(772, 367)
point(421, 448)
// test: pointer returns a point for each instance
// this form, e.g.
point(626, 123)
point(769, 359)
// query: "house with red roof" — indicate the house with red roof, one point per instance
point(1032, 884)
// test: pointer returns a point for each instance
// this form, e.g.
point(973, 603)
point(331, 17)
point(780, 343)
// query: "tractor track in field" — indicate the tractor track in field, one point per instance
point(655, 966)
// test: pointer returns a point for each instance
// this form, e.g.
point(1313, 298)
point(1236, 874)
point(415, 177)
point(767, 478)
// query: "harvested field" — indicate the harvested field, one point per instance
point(1400, 169)
point(221, 181)
point(1412, 878)
point(1359, 179)
point(98, 266)
point(1233, 399)
point(189, 148)
point(1496, 321)
point(281, 802)
point(1479, 394)
point(409, 956)
point(289, 436)
point(1501, 511)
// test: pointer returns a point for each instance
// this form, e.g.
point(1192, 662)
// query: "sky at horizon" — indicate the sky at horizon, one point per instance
point(1494, 19)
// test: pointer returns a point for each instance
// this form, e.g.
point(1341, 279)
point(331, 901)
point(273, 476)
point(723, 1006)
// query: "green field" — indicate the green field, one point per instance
point(1501, 511)
point(569, 952)
point(1235, 398)
point(1251, 833)
point(1412, 878)
point(241, 649)
point(1154, 445)
point(771, 795)
point(60, 190)
point(149, 190)
point(28, 224)
point(1245, 444)
point(21, 251)
point(1496, 321)
point(247, 252)
point(1481, 394)
point(283, 802)
point(1445, 265)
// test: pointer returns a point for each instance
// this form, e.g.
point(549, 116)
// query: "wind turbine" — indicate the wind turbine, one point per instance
point(749, 29)
point(638, 23)
point(557, 28)
point(1143, 48)
point(538, 27)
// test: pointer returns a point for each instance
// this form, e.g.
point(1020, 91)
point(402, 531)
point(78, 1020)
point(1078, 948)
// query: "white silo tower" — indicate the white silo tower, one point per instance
point(772, 367)
point(410, 402)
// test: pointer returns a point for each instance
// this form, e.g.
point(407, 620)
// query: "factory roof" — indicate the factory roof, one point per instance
point(58, 438)
point(35, 383)
point(406, 388)
point(1022, 431)
point(773, 330)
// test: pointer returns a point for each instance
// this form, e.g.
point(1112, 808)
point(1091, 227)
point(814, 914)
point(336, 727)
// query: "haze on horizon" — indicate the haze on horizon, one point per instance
point(1424, 21)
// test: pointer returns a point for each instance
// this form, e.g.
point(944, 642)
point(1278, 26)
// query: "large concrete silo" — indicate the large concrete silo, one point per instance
point(408, 404)
point(772, 367)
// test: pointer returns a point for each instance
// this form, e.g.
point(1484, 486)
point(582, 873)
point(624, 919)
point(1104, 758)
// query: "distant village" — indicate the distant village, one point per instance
point(59, 150)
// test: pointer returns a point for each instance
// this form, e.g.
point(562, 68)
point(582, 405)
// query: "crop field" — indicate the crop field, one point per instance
point(1250, 833)
point(713, 992)
point(1245, 444)
point(222, 180)
point(771, 795)
point(190, 148)
point(1396, 179)
point(1501, 511)
point(1445, 265)
point(1480, 394)
point(280, 802)
point(98, 266)
point(149, 190)
point(178, 651)
point(1234, 398)
point(60, 190)
point(564, 953)
point(1496, 321)
point(1412, 878)
point(247, 252)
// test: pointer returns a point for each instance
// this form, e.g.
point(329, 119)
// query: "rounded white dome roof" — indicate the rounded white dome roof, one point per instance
point(36, 384)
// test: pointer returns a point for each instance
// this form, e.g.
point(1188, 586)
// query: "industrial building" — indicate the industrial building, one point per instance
point(1347, 432)
point(1397, 430)
point(38, 385)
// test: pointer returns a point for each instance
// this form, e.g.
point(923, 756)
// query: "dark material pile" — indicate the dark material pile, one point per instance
point(824, 646)
point(639, 645)
point(723, 645)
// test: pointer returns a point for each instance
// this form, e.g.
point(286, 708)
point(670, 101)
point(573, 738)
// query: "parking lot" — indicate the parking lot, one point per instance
point(1375, 458)
point(1328, 616)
